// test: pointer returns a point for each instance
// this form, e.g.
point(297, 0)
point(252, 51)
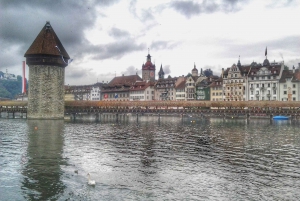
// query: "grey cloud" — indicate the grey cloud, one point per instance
point(167, 69)
point(294, 62)
point(131, 70)
point(116, 49)
point(146, 15)
point(161, 45)
point(279, 3)
point(21, 21)
point(187, 8)
point(192, 8)
point(118, 33)
point(250, 51)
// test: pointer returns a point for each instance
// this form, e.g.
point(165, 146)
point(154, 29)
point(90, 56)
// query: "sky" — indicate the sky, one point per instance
point(108, 38)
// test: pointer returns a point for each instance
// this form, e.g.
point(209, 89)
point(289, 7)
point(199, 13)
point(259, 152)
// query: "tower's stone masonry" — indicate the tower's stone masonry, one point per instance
point(46, 92)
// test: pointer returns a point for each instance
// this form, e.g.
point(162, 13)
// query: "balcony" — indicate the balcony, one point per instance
point(274, 88)
point(251, 88)
point(268, 95)
point(262, 88)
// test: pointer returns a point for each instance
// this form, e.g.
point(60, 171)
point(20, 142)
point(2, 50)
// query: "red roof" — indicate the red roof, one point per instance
point(124, 80)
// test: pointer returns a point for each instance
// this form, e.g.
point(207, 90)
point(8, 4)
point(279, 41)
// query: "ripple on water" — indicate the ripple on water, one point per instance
point(170, 159)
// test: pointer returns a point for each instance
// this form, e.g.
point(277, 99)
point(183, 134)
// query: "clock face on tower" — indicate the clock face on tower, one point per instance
point(151, 74)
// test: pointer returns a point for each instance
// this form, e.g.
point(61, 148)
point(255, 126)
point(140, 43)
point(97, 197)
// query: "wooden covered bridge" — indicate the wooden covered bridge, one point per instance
point(206, 108)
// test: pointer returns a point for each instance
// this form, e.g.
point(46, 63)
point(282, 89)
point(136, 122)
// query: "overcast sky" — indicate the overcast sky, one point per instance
point(111, 37)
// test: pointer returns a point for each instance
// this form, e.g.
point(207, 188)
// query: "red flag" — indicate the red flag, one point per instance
point(23, 80)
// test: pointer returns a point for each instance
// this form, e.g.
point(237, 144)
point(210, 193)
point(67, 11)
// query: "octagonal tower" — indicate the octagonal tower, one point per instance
point(46, 59)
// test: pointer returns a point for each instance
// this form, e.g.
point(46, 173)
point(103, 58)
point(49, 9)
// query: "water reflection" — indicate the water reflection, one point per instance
point(170, 158)
point(42, 173)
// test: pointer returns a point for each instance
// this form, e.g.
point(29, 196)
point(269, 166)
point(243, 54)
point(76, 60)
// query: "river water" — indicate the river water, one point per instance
point(153, 159)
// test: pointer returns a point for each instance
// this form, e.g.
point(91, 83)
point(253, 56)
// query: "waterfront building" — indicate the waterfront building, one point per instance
point(46, 59)
point(263, 80)
point(142, 91)
point(96, 90)
point(216, 90)
point(118, 89)
point(288, 89)
point(190, 87)
point(180, 90)
point(165, 88)
point(234, 82)
point(296, 82)
point(202, 91)
point(78, 92)
point(190, 84)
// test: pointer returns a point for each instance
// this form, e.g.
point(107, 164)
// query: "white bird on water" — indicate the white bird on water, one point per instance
point(91, 182)
point(69, 61)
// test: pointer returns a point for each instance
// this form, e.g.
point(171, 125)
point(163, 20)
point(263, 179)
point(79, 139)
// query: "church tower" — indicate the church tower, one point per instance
point(194, 71)
point(148, 70)
point(46, 59)
point(161, 73)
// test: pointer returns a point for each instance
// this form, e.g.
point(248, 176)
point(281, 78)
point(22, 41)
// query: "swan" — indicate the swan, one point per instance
point(91, 182)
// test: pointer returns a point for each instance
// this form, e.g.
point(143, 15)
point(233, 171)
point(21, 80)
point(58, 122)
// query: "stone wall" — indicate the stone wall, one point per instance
point(46, 92)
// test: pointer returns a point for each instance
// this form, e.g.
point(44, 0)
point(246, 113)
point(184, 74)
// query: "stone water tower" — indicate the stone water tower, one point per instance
point(46, 59)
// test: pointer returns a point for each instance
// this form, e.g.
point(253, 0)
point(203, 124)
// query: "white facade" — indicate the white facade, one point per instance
point(95, 94)
point(264, 84)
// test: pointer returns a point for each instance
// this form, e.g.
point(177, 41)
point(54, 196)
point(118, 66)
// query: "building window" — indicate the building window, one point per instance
point(284, 92)
point(294, 86)
point(284, 86)
point(294, 92)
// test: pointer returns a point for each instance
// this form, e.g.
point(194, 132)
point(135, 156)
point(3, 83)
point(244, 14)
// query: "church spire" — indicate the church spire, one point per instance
point(161, 73)
point(239, 63)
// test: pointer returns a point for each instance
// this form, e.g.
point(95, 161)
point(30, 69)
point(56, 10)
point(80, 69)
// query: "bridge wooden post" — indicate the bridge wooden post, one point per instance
point(117, 117)
point(159, 118)
point(98, 117)
point(137, 117)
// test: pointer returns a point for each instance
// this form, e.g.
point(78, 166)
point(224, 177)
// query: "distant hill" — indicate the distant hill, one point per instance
point(10, 88)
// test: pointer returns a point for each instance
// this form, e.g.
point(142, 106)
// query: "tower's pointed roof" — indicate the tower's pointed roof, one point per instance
point(45, 42)
point(148, 65)
point(195, 69)
point(161, 71)
point(239, 63)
